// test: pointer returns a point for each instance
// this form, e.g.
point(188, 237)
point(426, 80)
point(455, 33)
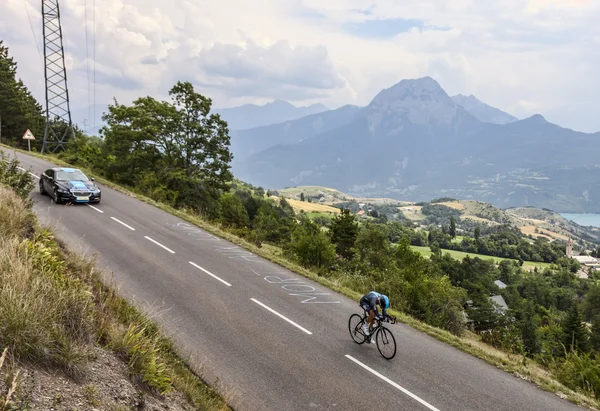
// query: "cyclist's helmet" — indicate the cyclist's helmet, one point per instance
point(384, 302)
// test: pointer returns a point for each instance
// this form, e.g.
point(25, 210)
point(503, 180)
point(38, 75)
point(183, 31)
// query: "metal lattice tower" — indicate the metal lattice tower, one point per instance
point(59, 128)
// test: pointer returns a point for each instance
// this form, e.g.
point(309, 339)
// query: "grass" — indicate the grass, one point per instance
point(412, 212)
point(456, 205)
point(469, 343)
point(459, 255)
point(309, 207)
point(551, 235)
point(54, 308)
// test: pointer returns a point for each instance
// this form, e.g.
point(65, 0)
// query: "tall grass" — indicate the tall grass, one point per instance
point(45, 316)
point(54, 308)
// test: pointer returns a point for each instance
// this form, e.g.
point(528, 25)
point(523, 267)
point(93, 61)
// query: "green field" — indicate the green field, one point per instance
point(459, 255)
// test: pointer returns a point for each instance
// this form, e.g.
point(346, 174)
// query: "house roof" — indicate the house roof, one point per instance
point(500, 284)
point(498, 299)
point(586, 259)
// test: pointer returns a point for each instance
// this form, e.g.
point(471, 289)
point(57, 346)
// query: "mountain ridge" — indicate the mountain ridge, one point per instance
point(413, 140)
point(249, 116)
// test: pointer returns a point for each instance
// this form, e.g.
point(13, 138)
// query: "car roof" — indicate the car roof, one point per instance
point(67, 169)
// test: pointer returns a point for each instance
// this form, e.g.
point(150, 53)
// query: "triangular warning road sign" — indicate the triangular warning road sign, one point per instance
point(28, 135)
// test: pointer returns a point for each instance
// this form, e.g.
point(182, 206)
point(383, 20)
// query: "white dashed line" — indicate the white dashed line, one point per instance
point(211, 274)
point(281, 316)
point(159, 244)
point(122, 223)
point(393, 384)
point(30, 173)
point(97, 209)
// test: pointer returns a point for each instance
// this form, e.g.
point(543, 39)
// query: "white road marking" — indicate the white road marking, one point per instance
point(393, 384)
point(281, 316)
point(120, 222)
point(97, 209)
point(33, 175)
point(159, 244)
point(209, 273)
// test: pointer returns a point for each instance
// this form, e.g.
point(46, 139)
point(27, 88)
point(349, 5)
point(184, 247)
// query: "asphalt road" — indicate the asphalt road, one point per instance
point(268, 338)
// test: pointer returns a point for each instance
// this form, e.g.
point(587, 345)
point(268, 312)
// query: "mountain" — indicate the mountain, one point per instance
point(415, 142)
point(482, 111)
point(247, 142)
point(278, 111)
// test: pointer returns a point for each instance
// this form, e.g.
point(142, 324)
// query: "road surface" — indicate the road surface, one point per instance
point(267, 338)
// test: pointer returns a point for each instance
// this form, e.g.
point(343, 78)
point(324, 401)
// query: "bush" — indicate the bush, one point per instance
point(11, 175)
point(310, 246)
point(580, 371)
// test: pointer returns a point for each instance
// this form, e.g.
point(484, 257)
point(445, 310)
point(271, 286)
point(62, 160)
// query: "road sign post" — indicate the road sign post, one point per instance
point(28, 136)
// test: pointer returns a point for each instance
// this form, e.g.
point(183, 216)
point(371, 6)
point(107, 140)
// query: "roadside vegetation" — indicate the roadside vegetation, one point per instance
point(175, 154)
point(55, 312)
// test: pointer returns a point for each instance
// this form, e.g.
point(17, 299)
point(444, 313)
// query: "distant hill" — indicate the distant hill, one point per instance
point(278, 111)
point(247, 142)
point(482, 111)
point(413, 141)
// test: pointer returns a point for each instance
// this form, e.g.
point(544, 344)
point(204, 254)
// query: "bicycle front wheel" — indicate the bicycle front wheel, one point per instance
point(355, 327)
point(386, 343)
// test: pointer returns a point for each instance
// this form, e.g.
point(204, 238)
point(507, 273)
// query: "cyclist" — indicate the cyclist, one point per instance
point(369, 303)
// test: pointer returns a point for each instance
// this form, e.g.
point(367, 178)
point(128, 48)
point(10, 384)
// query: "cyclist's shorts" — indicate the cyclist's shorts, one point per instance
point(368, 304)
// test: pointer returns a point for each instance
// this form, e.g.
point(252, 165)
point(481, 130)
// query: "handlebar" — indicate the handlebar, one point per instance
point(388, 319)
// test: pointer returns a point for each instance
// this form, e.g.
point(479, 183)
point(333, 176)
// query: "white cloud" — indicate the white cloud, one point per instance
point(519, 55)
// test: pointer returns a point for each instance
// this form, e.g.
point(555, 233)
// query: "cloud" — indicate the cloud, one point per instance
point(335, 52)
point(253, 70)
point(384, 28)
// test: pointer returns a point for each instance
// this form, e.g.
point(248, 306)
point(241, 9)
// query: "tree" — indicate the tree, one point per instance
point(344, 231)
point(452, 230)
point(175, 146)
point(301, 196)
point(19, 110)
point(477, 234)
point(576, 333)
point(595, 334)
point(529, 330)
point(311, 246)
point(233, 212)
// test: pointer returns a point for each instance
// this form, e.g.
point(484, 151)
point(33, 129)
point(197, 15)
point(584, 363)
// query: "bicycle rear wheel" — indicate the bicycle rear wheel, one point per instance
point(386, 343)
point(355, 327)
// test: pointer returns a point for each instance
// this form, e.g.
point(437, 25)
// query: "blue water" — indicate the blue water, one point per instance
point(584, 219)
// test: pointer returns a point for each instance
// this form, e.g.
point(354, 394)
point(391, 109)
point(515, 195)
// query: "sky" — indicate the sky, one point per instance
point(522, 56)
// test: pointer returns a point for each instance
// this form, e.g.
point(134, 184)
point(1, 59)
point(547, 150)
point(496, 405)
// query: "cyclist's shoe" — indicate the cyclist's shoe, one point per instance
point(365, 329)
point(372, 340)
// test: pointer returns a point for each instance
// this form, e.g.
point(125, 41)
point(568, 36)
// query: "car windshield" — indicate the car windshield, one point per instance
point(71, 175)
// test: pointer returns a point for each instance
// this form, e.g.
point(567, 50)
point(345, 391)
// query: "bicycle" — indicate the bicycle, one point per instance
point(383, 336)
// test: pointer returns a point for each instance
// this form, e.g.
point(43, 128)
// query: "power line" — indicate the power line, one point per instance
point(33, 32)
point(87, 60)
point(94, 52)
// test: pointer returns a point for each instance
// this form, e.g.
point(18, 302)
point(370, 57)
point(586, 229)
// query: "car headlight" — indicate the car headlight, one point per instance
point(62, 190)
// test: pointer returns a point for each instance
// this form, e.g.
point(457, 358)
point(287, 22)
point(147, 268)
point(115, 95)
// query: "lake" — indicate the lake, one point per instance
point(584, 219)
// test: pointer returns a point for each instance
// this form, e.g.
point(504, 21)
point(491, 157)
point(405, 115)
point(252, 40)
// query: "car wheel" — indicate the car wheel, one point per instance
point(56, 197)
point(42, 191)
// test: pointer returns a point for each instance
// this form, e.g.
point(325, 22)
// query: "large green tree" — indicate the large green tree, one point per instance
point(177, 150)
point(19, 110)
